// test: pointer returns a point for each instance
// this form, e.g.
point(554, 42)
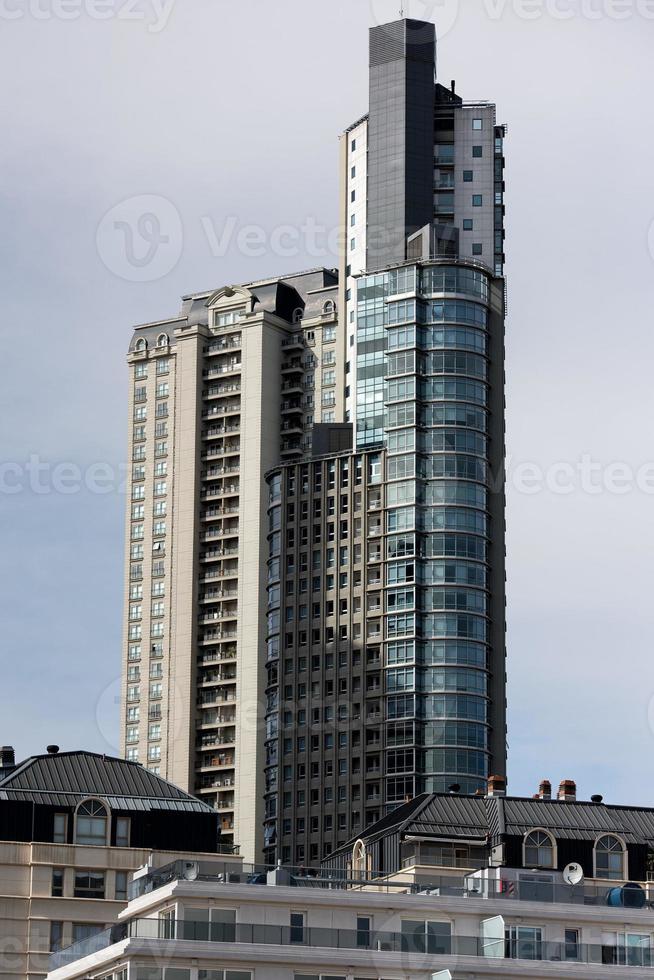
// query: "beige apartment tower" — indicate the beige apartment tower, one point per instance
point(218, 395)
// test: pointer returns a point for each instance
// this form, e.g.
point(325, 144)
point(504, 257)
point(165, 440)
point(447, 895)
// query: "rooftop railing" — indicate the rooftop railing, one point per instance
point(454, 885)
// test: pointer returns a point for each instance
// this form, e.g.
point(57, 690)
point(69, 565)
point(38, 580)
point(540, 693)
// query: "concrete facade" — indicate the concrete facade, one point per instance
point(217, 396)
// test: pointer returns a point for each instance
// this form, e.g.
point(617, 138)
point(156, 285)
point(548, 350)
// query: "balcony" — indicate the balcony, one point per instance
point(220, 391)
point(296, 342)
point(227, 343)
point(294, 385)
point(233, 408)
point(406, 945)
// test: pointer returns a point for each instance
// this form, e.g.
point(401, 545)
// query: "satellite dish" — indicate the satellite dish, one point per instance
point(573, 874)
point(191, 870)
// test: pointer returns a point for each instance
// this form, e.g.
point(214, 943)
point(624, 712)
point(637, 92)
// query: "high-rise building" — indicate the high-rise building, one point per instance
point(315, 583)
point(390, 578)
point(218, 395)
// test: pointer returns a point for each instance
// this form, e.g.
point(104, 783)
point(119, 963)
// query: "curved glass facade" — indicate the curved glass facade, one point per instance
point(433, 420)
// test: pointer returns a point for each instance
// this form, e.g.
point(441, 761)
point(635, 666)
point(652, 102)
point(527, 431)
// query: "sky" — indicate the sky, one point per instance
point(208, 131)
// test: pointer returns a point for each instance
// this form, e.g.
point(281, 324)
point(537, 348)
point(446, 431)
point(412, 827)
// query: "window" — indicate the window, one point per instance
point(353, 145)
point(538, 850)
point(122, 831)
point(297, 925)
point(120, 886)
point(91, 823)
point(571, 944)
point(353, 172)
point(477, 151)
point(467, 176)
point(477, 248)
point(57, 882)
point(364, 923)
point(162, 340)
point(467, 224)
point(89, 884)
point(477, 200)
point(610, 858)
point(85, 930)
point(59, 834)
point(524, 943)
point(224, 975)
point(56, 933)
point(477, 124)
point(426, 937)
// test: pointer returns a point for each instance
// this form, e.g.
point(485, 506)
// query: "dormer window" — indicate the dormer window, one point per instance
point(91, 823)
point(141, 344)
point(538, 850)
point(297, 315)
point(162, 340)
point(610, 858)
point(328, 307)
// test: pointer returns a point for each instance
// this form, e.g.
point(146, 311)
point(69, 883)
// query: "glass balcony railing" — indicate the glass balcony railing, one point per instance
point(327, 938)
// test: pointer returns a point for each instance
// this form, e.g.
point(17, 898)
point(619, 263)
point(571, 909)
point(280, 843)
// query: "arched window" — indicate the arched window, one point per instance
point(328, 307)
point(91, 823)
point(162, 340)
point(610, 858)
point(538, 849)
point(359, 859)
point(141, 344)
point(297, 315)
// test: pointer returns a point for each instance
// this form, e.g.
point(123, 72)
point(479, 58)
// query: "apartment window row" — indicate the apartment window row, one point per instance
point(91, 825)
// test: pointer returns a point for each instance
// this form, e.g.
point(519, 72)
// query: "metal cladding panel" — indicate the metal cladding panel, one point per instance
point(580, 821)
point(466, 817)
point(400, 138)
point(69, 775)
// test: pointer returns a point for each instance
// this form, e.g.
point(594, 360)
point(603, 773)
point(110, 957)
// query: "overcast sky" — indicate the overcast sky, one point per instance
point(213, 116)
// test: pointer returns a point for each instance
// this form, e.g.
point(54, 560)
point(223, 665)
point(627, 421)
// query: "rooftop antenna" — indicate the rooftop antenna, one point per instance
point(402, 11)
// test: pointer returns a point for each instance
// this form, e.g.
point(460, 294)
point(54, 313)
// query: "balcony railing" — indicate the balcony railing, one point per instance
point(320, 937)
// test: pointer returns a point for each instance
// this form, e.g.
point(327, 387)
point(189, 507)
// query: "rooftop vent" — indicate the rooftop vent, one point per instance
point(597, 798)
point(7, 756)
point(52, 749)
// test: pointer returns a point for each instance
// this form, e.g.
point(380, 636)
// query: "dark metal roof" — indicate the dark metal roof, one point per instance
point(64, 778)
point(446, 816)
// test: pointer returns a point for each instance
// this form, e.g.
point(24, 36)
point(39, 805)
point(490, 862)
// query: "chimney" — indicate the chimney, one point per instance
point(567, 791)
point(545, 790)
point(453, 86)
point(496, 786)
point(7, 760)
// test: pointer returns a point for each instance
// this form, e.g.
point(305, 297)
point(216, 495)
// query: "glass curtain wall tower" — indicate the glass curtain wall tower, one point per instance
point(393, 673)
